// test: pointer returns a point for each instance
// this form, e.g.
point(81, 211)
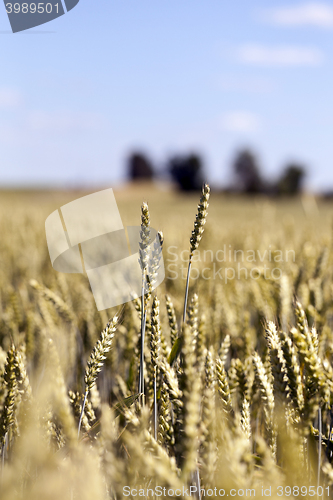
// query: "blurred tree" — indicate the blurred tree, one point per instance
point(140, 167)
point(247, 172)
point(291, 180)
point(187, 172)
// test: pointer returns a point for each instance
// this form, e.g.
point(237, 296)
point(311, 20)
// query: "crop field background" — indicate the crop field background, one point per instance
point(243, 388)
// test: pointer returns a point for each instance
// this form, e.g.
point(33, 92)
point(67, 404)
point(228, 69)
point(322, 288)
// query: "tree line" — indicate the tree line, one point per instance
point(188, 173)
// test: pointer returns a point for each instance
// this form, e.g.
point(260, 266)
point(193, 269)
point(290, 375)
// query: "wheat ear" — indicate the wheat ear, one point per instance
point(8, 416)
point(96, 360)
point(199, 223)
point(60, 306)
point(143, 260)
point(223, 386)
point(154, 264)
point(278, 364)
point(172, 320)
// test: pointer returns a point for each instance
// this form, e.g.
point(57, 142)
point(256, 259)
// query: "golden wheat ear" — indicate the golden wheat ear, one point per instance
point(96, 360)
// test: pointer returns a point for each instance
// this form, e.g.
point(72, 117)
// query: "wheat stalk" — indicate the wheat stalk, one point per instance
point(155, 346)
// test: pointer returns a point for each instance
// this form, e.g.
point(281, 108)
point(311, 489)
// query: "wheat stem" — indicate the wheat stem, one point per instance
point(82, 412)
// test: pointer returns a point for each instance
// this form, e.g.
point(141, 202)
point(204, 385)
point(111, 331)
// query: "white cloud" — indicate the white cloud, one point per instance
point(306, 14)
point(240, 121)
point(283, 55)
point(246, 83)
point(9, 98)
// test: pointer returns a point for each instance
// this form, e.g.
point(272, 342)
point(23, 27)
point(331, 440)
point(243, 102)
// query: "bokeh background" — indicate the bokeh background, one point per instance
point(168, 80)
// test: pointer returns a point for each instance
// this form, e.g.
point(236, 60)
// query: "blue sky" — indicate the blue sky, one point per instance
point(165, 77)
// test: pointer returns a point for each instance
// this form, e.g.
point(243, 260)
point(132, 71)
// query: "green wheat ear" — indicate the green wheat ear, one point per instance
point(144, 237)
point(155, 334)
point(200, 220)
point(154, 265)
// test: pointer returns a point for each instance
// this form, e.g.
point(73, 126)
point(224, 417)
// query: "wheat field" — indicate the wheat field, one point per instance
point(237, 393)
